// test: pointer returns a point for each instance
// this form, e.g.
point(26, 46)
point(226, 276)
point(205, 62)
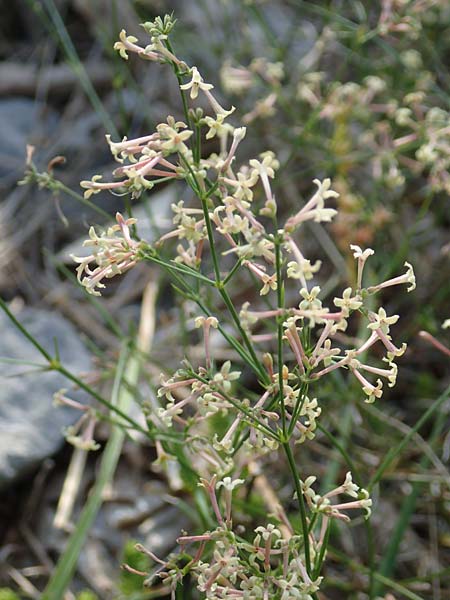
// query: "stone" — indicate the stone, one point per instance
point(31, 427)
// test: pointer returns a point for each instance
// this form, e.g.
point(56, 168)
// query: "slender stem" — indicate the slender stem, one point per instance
point(297, 408)
point(280, 304)
point(231, 273)
point(99, 398)
point(237, 321)
point(58, 185)
point(180, 82)
point(198, 144)
point(177, 267)
point(55, 365)
point(28, 335)
point(322, 552)
point(225, 296)
point(247, 358)
point(301, 504)
point(211, 241)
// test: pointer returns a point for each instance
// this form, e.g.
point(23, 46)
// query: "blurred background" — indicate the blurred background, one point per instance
point(356, 91)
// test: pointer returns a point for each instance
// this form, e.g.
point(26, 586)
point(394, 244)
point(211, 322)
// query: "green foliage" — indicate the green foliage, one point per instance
point(87, 595)
point(8, 594)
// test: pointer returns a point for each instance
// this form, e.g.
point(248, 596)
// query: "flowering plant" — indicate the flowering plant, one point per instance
point(231, 229)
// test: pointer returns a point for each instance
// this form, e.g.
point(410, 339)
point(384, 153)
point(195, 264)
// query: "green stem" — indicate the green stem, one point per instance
point(301, 504)
point(55, 365)
point(323, 549)
point(237, 321)
point(176, 70)
point(280, 304)
point(297, 408)
point(212, 245)
point(198, 144)
point(173, 266)
point(28, 335)
point(196, 298)
point(81, 199)
point(79, 383)
point(231, 273)
point(225, 296)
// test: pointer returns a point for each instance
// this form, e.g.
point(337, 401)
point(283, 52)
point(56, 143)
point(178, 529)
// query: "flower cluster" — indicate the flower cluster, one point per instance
point(269, 565)
point(235, 214)
point(113, 251)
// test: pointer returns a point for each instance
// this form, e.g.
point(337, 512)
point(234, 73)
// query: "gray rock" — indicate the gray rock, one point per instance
point(30, 426)
point(22, 121)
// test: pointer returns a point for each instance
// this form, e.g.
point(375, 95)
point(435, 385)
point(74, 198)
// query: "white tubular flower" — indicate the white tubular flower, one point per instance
point(361, 256)
point(311, 410)
point(172, 140)
point(265, 169)
point(390, 374)
point(359, 253)
point(60, 399)
point(127, 149)
point(381, 321)
point(208, 321)
point(217, 126)
point(245, 181)
point(95, 186)
point(223, 445)
point(246, 317)
point(311, 497)
point(81, 435)
point(446, 324)
point(348, 303)
point(268, 532)
point(270, 283)
point(297, 270)
point(323, 192)
point(229, 484)
point(168, 413)
point(408, 278)
point(128, 44)
point(348, 487)
point(196, 84)
point(238, 135)
point(372, 391)
point(88, 445)
point(363, 502)
point(224, 377)
point(310, 300)
point(314, 209)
